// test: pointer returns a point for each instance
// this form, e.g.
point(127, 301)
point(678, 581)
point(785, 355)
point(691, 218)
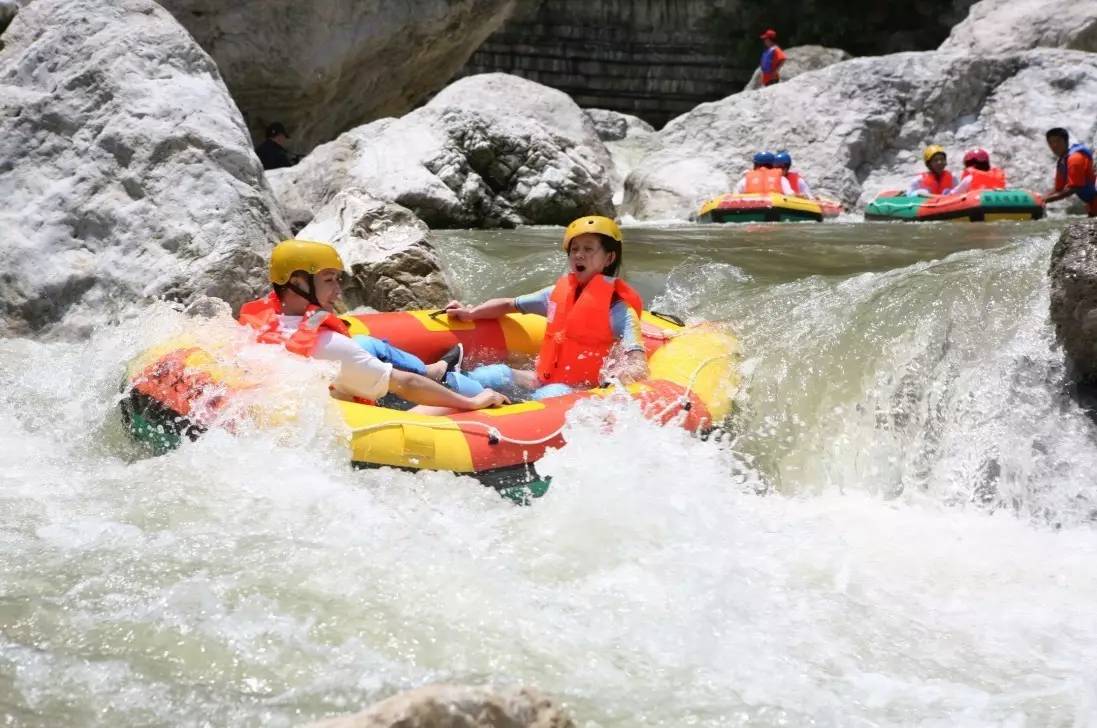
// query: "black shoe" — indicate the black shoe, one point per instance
point(453, 358)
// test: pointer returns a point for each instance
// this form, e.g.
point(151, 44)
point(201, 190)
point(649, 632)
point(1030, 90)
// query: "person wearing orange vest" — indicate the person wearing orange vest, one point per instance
point(1074, 171)
point(800, 187)
point(772, 58)
point(936, 180)
point(978, 174)
point(764, 179)
point(299, 315)
point(589, 311)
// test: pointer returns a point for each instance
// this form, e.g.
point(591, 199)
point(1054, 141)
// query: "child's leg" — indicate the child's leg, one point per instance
point(499, 377)
point(402, 360)
point(463, 384)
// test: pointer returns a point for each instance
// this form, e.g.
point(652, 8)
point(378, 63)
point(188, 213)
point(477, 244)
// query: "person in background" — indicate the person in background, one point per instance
point(978, 174)
point(936, 180)
point(1073, 170)
point(783, 161)
point(772, 58)
point(272, 151)
point(763, 178)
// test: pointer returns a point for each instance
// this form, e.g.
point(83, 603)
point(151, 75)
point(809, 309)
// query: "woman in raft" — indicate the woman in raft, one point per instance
point(589, 310)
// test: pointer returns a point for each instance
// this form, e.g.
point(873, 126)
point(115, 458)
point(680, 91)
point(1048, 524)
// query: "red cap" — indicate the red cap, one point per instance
point(770, 34)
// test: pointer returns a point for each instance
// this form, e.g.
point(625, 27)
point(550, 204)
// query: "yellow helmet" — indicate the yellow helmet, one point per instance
point(290, 256)
point(931, 150)
point(592, 224)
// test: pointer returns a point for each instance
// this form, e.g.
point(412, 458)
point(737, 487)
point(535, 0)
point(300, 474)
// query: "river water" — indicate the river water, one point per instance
point(897, 528)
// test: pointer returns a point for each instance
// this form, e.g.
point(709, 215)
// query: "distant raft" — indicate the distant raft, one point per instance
point(744, 207)
point(975, 206)
point(176, 390)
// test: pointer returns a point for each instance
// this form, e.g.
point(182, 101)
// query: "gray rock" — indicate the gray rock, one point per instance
point(326, 66)
point(1073, 274)
point(488, 151)
point(613, 126)
point(8, 9)
point(126, 171)
point(1002, 26)
point(857, 127)
point(392, 264)
point(802, 59)
point(454, 706)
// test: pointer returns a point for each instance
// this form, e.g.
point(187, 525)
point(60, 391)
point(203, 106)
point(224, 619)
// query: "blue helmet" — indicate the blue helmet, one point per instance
point(763, 159)
point(783, 159)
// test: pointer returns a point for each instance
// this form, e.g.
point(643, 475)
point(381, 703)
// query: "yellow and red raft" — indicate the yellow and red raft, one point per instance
point(171, 390)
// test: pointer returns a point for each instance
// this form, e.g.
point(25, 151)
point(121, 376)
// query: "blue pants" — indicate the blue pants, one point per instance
point(500, 377)
point(408, 362)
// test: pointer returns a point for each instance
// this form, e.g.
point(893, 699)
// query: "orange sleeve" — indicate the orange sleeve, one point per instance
point(779, 57)
point(1078, 167)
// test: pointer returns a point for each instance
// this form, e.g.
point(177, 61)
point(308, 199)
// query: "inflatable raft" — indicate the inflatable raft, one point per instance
point(976, 206)
point(766, 208)
point(176, 391)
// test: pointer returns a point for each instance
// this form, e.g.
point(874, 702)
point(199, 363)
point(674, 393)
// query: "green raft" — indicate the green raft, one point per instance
point(976, 206)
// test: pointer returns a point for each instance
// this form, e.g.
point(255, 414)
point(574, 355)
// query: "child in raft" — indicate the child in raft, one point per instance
point(589, 310)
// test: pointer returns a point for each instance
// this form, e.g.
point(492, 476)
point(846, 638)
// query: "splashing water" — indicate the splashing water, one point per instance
point(922, 554)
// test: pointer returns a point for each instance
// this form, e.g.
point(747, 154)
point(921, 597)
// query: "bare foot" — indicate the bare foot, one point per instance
point(526, 379)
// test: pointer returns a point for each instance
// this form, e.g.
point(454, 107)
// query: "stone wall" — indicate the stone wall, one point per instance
point(657, 59)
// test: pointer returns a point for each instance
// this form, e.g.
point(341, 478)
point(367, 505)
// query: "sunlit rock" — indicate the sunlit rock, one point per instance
point(325, 66)
point(126, 171)
point(857, 127)
point(392, 264)
point(489, 151)
point(1000, 26)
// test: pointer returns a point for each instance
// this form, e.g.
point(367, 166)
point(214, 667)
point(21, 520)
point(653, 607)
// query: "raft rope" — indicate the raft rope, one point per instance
point(496, 436)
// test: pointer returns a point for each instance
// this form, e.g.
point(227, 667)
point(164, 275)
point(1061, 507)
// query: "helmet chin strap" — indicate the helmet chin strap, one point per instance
point(309, 295)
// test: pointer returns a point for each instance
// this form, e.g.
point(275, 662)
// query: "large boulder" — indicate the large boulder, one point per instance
point(1001, 26)
point(392, 264)
point(802, 59)
point(126, 171)
point(858, 127)
point(455, 706)
point(627, 139)
point(326, 66)
point(613, 126)
point(1073, 274)
point(488, 151)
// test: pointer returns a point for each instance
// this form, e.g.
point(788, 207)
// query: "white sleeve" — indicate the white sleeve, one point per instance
point(805, 188)
point(963, 186)
point(786, 188)
point(361, 374)
point(915, 186)
point(740, 185)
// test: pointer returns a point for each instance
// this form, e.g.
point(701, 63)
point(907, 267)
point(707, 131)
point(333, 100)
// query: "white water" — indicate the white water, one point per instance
point(256, 580)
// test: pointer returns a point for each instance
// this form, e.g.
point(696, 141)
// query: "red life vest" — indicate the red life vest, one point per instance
point(579, 333)
point(763, 181)
point(793, 181)
point(937, 185)
point(263, 316)
point(992, 179)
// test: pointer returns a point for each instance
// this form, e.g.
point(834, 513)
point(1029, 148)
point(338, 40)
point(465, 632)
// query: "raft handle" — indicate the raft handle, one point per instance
point(668, 317)
point(435, 314)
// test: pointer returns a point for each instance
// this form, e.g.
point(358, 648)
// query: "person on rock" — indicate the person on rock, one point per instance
point(299, 314)
point(772, 58)
point(272, 151)
point(590, 310)
point(764, 179)
point(1074, 172)
point(799, 186)
point(978, 174)
point(936, 180)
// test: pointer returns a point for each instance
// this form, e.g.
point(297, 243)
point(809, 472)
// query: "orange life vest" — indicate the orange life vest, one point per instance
point(793, 181)
point(579, 333)
point(763, 181)
point(937, 185)
point(262, 315)
point(992, 179)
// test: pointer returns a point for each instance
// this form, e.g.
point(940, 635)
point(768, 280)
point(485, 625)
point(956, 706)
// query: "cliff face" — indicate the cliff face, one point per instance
point(660, 58)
